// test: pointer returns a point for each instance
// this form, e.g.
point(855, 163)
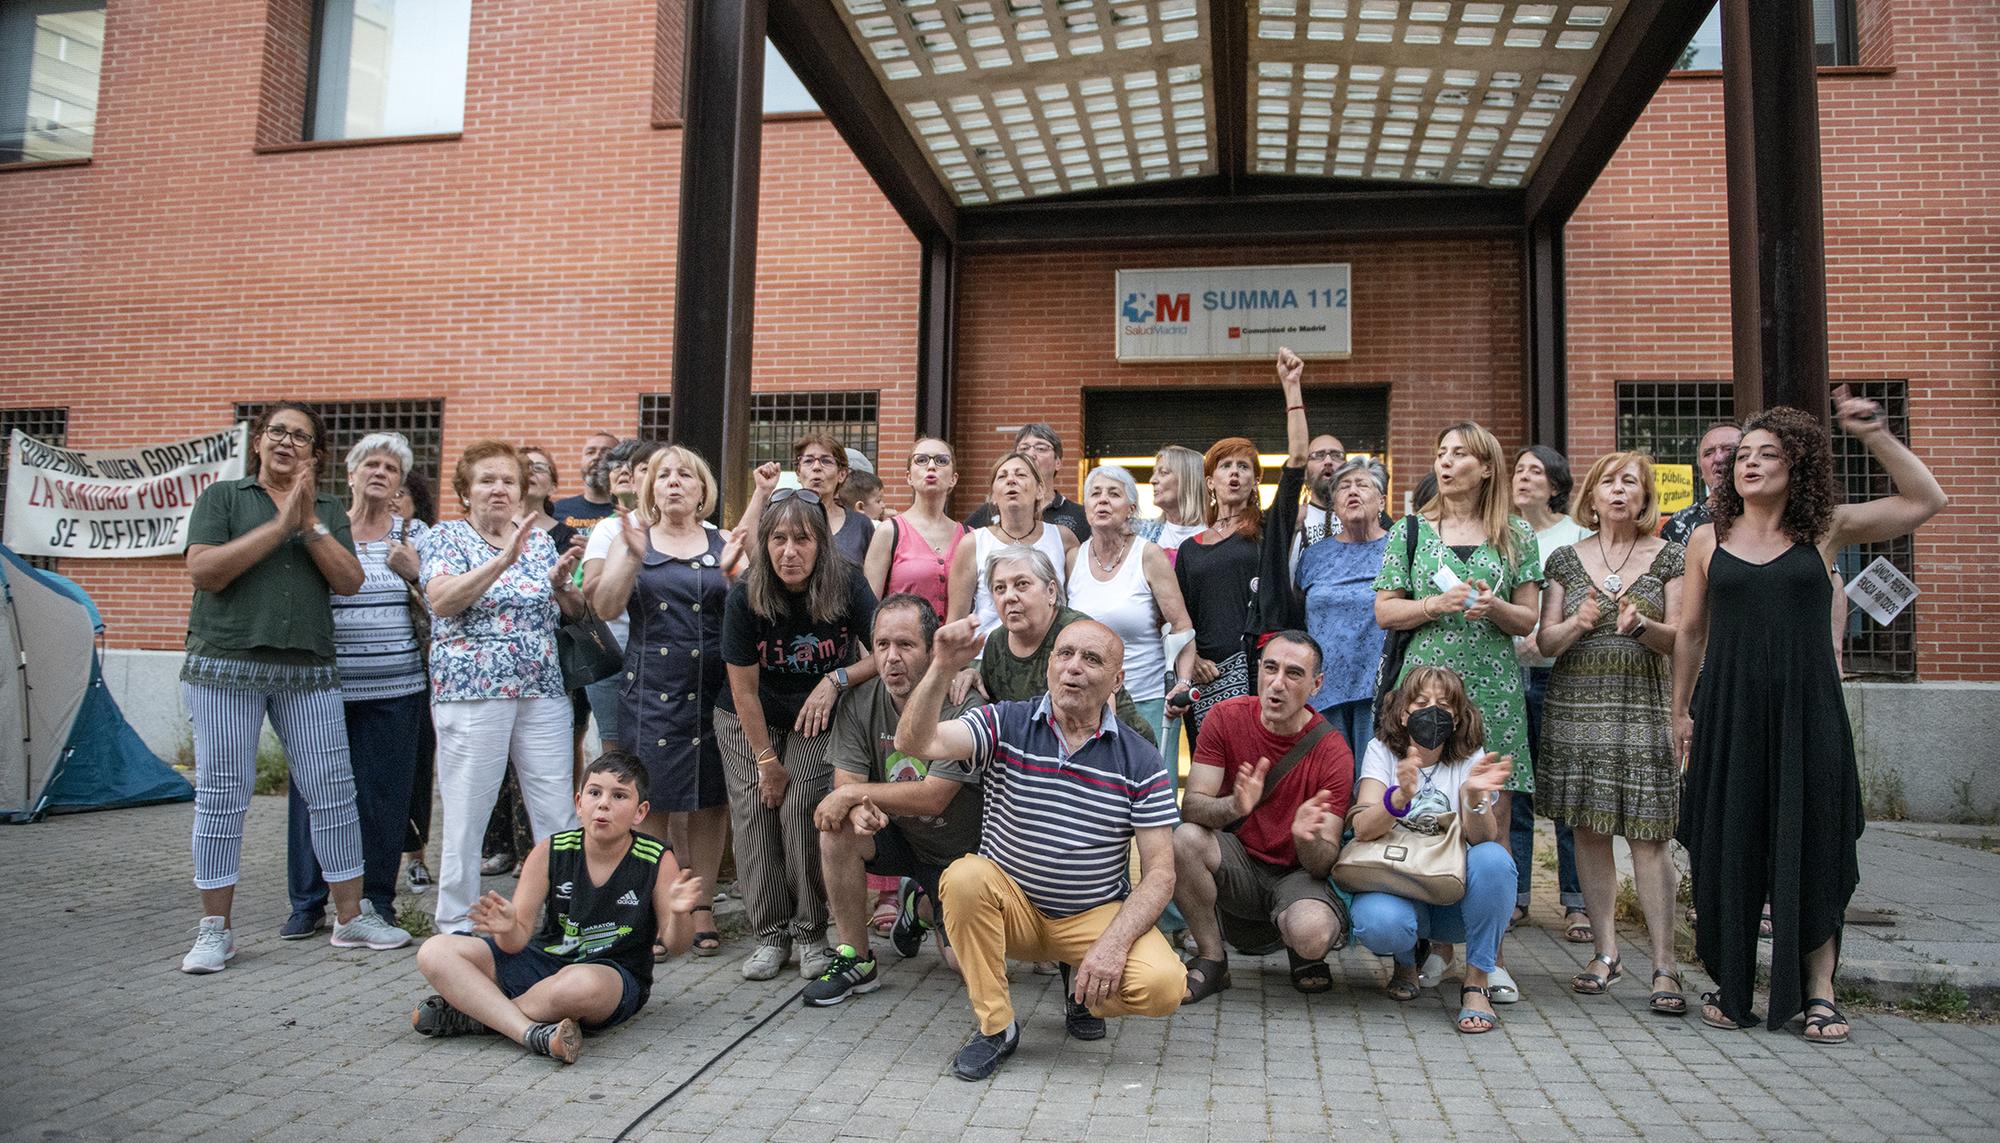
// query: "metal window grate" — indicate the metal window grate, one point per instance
point(777, 419)
point(1666, 418)
point(50, 426)
point(421, 422)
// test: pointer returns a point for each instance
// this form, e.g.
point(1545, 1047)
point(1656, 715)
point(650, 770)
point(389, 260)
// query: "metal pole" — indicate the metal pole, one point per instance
point(1544, 349)
point(937, 337)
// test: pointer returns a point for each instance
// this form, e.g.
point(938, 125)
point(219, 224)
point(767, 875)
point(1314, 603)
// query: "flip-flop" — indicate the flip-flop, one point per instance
point(1214, 978)
point(1310, 976)
point(1487, 1018)
point(1815, 1028)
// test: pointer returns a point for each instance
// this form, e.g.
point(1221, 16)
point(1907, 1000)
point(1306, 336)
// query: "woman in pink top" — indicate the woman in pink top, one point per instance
point(913, 553)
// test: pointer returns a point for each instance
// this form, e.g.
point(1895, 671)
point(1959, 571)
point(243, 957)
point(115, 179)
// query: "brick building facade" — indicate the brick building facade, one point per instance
point(522, 271)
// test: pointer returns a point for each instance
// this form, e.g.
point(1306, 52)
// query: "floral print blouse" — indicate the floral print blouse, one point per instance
point(504, 645)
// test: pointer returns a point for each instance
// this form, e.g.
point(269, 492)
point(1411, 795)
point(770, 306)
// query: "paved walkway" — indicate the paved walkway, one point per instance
point(302, 1041)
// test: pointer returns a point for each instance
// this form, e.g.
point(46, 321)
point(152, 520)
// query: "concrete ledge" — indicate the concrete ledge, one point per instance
point(1924, 749)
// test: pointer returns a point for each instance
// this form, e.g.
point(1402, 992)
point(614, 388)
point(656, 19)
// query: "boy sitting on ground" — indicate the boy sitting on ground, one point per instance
point(590, 965)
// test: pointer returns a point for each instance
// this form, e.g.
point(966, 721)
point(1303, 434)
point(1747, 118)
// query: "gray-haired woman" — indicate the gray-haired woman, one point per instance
point(383, 687)
point(1337, 577)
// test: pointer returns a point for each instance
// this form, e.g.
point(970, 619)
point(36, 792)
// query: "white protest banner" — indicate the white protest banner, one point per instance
point(1881, 590)
point(1225, 313)
point(118, 503)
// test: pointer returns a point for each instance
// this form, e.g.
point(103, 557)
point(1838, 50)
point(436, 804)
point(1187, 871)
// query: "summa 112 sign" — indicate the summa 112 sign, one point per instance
point(1222, 313)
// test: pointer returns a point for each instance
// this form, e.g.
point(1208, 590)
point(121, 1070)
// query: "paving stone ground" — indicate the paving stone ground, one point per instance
point(298, 1040)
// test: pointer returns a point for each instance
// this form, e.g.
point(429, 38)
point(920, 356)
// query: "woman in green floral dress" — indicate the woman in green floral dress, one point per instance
point(1495, 573)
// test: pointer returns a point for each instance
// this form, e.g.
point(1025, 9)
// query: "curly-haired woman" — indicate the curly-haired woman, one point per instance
point(1772, 801)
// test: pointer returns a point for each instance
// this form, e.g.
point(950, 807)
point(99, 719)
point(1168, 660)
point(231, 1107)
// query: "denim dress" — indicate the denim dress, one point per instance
point(673, 675)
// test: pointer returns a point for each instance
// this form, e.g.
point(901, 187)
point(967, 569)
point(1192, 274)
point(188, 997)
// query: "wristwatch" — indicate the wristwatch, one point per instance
point(1639, 630)
point(840, 678)
point(319, 530)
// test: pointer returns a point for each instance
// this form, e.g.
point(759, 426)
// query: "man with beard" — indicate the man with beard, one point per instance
point(1317, 518)
point(576, 514)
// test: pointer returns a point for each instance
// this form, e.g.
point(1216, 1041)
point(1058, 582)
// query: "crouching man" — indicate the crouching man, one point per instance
point(1265, 800)
point(590, 964)
point(1068, 789)
point(888, 814)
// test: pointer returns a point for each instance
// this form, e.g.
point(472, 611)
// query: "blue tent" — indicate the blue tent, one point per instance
point(64, 745)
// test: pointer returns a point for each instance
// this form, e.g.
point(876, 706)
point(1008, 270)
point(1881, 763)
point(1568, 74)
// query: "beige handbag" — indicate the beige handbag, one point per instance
point(1417, 866)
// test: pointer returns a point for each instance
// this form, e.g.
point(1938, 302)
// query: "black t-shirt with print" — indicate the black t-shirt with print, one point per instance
point(793, 653)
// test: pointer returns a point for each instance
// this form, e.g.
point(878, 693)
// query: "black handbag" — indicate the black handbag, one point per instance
point(1396, 647)
point(587, 651)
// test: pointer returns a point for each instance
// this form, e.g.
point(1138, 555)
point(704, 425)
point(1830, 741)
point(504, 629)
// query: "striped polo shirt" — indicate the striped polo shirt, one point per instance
point(1061, 823)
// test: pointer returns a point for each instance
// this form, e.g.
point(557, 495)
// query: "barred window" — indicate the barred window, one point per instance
point(421, 422)
point(777, 419)
point(50, 426)
point(1666, 418)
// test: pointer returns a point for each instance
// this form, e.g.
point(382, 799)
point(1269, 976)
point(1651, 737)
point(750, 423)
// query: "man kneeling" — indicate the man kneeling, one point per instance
point(590, 965)
point(1259, 836)
point(1068, 789)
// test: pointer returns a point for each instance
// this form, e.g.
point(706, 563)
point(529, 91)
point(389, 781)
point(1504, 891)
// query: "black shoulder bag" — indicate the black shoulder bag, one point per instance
point(1292, 758)
point(1396, 647)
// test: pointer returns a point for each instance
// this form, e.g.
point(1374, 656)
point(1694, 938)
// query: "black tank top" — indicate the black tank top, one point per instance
point(586, 923)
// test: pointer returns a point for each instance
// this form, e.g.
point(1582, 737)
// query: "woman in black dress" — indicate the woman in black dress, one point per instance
point(1772, 801)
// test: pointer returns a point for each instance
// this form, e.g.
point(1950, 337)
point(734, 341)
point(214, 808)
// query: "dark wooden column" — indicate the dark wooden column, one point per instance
point(715, 270)
point(1544, 353)
point(1777, 255)
point(937, 337)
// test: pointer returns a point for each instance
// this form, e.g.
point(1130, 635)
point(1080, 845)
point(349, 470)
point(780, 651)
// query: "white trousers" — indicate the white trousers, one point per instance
point(475, 738)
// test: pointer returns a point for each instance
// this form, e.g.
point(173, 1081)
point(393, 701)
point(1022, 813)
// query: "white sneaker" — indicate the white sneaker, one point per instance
point(766, 961)
point(1501, 987)
point(813, 963)
point(213, 949)
point(1432, 973)
point(368, 930)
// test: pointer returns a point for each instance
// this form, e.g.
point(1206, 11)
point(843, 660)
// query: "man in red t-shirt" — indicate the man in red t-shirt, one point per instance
point(1252, 864)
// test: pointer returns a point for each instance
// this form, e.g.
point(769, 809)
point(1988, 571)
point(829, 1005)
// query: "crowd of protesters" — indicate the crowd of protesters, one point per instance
point(903, 725)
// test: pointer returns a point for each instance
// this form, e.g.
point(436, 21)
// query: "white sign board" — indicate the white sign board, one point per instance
point(112, 503)
point(1225, 313)
point(1881, 591)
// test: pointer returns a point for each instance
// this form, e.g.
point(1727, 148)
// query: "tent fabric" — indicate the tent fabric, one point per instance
point(63, 740)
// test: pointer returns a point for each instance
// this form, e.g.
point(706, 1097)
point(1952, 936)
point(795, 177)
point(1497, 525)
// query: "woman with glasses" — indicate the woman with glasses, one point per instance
point(914, 552)
point(794, 636)
point(821, 463)
point(266, 554)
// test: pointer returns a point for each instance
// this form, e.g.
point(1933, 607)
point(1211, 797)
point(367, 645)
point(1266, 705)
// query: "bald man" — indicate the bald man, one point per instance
point(1068, 789)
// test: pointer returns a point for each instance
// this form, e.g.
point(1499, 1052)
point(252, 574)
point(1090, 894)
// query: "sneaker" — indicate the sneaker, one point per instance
point(765, 961)
point(496, 865)
point(213, 949)
point(814, 963)
point(434, 1016)
point(848, 974)
point(299, 926)
point(559, 1041)
point(1078, 1020)
point(418, 877)
point(907, 934)
point(981, 1055)
point(368, 930)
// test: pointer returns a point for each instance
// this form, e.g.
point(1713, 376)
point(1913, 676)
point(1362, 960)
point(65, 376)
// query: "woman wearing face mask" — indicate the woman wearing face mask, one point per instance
point(913, 550)
point(794, 636)
point(1428, 758)
point(1769, 717)
point(1607, 764)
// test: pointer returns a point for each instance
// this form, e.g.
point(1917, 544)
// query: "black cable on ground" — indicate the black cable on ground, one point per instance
point(712, 1060)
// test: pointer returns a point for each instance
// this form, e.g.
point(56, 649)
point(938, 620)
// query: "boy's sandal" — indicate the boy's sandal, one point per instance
point(1403, 988)
point(1668, 1001)
point(1712, 1002)
point(707, 942)
point(1478, 1018)
point(1310, 976)
point(1576, 927)
point(1214, 978)
point(1590, 982)
point(1815, 1029)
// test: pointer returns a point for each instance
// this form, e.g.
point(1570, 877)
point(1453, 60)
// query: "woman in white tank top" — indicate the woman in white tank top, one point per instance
point(1126, 583)
point(1017, 495)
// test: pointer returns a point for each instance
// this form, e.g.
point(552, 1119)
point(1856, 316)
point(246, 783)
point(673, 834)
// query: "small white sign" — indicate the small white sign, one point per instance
point(1225, 313)
point(1881, 591)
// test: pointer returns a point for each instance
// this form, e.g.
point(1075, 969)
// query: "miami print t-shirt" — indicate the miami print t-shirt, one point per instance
point(793, 652)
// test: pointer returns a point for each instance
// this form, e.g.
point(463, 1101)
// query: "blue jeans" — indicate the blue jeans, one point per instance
point(1356, 722)
point(382, 740)
point(1388, 925)
point(1521, 829)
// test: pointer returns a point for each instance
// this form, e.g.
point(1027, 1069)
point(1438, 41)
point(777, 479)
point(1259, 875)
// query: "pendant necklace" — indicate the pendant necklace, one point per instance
point(1613, 583)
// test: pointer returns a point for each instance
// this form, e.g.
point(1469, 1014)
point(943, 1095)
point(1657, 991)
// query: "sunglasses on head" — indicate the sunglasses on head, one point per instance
point(805, 494)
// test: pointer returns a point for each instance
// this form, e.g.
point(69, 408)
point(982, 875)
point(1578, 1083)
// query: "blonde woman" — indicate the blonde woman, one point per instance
point(1177, 480)
point(1017, 490)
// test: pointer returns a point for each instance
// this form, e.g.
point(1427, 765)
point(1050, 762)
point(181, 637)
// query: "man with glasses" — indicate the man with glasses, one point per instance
point(1039, 443)
point(1316, 519)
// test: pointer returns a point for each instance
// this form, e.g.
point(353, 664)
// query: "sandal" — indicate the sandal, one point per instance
point(884, 917)
point(1815, 1029)
point(1668, 1001)
point(1576, 927)
point(1712, 1002)
point(1519, 914)
point(659, 951)
point(1402, 989)
point(1490, 1020)
point(1764, 925)
point(1214, 978)
point(1592, 983)
point(707, 942)
point(1310, 976)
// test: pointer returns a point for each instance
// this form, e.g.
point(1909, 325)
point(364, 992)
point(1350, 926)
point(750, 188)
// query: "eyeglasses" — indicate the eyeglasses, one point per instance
point(279, 434)
point(927, 459)
point(1035, 446)
point(540, 466)
point(805, 494)
point(1323, 454)
point(815, 460)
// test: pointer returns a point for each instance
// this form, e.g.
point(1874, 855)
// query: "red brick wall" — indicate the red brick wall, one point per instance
point(1912, 246)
